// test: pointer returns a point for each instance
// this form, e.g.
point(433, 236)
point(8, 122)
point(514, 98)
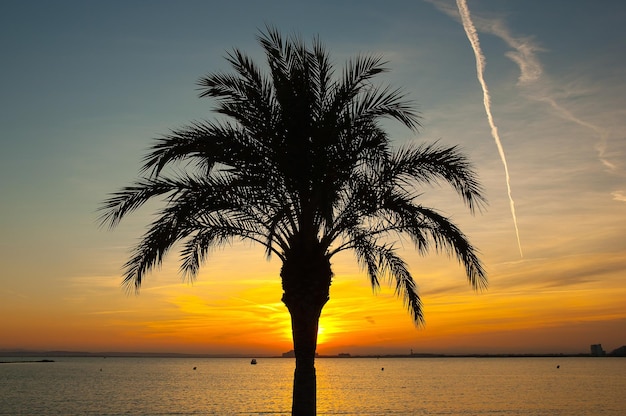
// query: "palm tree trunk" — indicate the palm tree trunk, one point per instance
point(304, 326)
point(306, 278)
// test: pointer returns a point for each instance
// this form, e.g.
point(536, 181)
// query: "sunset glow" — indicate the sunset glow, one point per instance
point(86, 87)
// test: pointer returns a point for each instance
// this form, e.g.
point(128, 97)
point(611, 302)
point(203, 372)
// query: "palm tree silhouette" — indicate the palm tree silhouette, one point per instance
point(299, 163)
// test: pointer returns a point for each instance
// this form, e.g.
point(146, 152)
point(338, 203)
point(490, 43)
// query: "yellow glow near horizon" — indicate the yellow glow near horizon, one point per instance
point(323, 335)
point(535, 302)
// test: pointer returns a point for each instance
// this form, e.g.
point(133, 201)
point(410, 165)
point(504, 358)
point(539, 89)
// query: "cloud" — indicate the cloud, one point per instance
point(568, 273)
point(532, 77)
point(524, 49)
point(113, 312)
point(534, 82)
point(619, 196)
point(523, 53)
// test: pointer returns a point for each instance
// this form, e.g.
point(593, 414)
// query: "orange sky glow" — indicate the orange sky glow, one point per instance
point(117, 75)
point(241, 313)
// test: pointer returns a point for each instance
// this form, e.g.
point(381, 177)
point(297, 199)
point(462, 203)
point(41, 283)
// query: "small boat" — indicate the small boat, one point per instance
point(253, 362)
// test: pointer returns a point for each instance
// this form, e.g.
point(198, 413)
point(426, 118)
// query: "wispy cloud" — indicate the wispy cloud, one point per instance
point(619, 195)
point(537, 86)
point(472, 36)
point(600, 133)
point(532, 78)
point(113, 312)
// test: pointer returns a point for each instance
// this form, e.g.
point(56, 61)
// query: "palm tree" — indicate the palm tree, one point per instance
point(299, 163)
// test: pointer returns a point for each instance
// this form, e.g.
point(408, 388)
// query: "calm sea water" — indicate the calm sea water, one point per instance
point(352, 386)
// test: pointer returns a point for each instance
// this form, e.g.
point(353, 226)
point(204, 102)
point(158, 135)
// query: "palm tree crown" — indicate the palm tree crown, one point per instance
point(300, 164)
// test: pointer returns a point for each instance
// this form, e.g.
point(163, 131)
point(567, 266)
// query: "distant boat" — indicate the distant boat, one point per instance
point(253, 362)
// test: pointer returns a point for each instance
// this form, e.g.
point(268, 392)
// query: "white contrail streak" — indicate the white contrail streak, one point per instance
point(472, 36)
point(530, 72)
point(530, 78)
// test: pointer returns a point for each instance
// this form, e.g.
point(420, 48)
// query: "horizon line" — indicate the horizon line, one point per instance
point(140, 354)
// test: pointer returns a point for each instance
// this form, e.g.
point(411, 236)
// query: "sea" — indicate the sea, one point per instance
point(345, 386)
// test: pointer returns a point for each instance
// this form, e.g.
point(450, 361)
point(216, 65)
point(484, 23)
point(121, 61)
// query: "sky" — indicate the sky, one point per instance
point(86, 86)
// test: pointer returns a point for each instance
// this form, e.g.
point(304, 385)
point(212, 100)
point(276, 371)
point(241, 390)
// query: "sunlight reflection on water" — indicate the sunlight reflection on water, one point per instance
point(350, 386)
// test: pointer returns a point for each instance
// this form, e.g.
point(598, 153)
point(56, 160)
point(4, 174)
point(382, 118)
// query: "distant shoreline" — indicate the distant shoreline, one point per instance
point(46, 354)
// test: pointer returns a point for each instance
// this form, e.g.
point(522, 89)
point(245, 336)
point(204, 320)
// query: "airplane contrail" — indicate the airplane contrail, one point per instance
point(530, 79)
point(530, 73)
point(472, 36)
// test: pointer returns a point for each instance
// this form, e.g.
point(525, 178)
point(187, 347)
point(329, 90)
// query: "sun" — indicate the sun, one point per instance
point(324, 334)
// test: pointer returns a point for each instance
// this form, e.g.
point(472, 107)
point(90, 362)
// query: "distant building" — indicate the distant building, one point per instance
point(344, 355)
point(619, 352)
point(597, 351)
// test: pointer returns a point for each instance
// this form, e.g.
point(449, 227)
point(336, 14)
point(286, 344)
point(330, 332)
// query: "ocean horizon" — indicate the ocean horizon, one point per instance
point(165, 354)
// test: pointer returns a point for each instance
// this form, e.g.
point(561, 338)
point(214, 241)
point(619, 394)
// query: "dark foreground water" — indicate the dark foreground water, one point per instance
point(349, 386)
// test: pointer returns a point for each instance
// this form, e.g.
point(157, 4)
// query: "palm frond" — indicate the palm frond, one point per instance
point(381, 261)
point(365, 249)
point(432, 163)
point(449, 238)
point(405, 289)
point(205, 141)
point(152, 249)
point(195, 249)
point(377, 101)
point(128, 199)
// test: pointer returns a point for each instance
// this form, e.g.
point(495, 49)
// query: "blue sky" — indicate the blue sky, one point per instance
point(87, 85)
